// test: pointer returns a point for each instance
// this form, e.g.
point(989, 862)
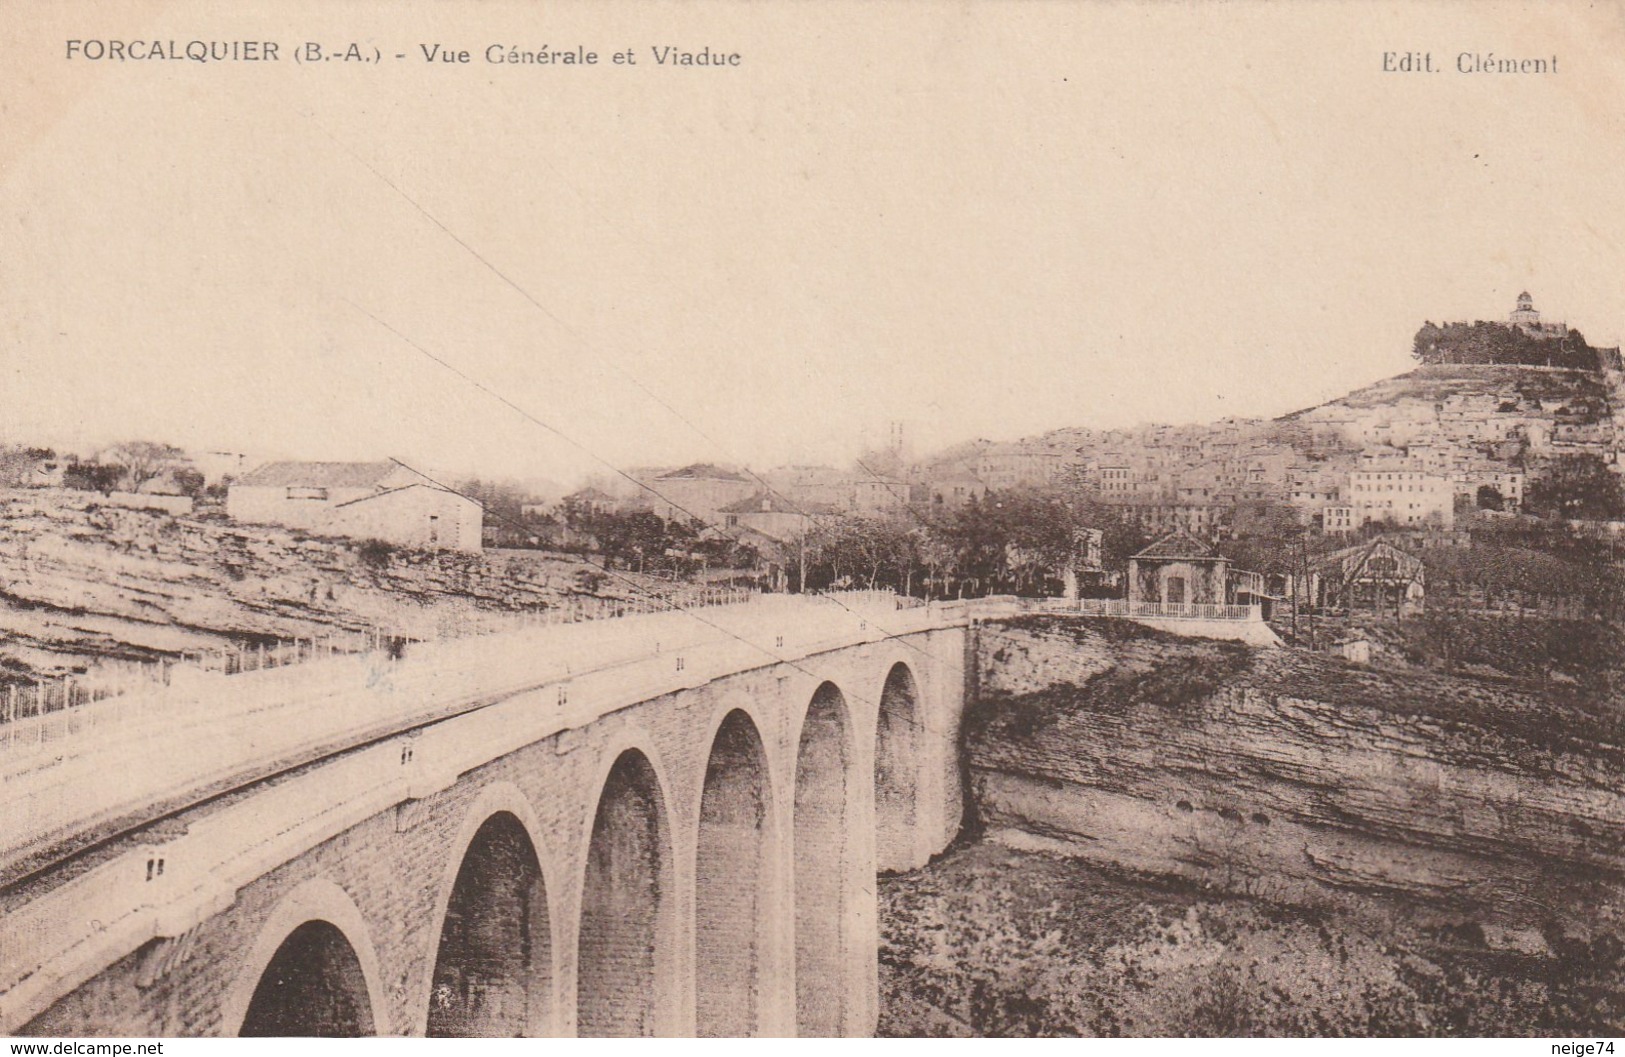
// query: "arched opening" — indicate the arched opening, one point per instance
point(823, 863)
point(731, 894)
point(313, 986)
point(493, 969)
point(897, 770)
point(623, 974)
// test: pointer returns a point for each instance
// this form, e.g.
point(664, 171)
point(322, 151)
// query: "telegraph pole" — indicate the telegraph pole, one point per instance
point(801, 565)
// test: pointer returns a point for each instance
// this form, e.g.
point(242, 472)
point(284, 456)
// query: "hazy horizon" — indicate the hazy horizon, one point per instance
point(1035, 226)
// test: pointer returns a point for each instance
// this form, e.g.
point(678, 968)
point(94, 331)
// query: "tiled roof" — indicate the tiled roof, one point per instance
point(701, 471)
point(319, 475)
point(775, 505)
point(1178, 545)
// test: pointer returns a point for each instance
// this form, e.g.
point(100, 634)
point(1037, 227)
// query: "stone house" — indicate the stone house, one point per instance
point(1178, 569)
point(361, 500)
point(774, 517)
point(956, 489)
point(1405, 496)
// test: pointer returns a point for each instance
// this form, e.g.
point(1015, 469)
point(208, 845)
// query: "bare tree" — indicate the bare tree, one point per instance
point(144, 460)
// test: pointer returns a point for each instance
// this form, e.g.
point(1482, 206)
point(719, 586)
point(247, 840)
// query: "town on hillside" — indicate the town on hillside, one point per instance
point(1379, 638)
point(1487, 480)
point(935, 520)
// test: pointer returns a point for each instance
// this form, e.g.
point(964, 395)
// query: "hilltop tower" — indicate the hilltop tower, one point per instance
point(1525, 312)
point(1527, 319)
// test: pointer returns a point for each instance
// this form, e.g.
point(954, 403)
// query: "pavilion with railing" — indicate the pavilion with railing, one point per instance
point(1181, 576)
point(1122, 607)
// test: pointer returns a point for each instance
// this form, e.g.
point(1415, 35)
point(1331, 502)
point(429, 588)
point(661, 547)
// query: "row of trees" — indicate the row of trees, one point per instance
point(1482, 342)
point(1015, 541)
point(128, 467)
point(1020, 541)
point(641, 540)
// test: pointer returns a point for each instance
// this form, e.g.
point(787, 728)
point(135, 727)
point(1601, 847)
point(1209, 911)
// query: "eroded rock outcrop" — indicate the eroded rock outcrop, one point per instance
point(1300, 778)
point(80, 581)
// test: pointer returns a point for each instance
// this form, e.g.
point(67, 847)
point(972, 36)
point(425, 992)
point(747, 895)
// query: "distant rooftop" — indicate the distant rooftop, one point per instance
point(701, 471)
point(319, 475)
point(766, 503)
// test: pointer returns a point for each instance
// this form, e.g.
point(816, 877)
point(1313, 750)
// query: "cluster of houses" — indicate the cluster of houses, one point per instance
point(387, 501)
point(1409, 457)
point(360, 500)
point(1408, 451)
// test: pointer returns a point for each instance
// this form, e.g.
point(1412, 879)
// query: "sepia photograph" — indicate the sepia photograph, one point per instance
point(706, 518)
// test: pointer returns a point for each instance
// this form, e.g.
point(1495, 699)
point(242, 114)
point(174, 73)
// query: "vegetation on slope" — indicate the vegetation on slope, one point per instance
point(1582, 393)
point(1473, 713)
point(993, 941)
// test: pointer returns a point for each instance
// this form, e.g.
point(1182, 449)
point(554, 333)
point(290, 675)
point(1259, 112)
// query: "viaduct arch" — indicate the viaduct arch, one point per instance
point(312, 972)
point(735, 880)
point(699, 863)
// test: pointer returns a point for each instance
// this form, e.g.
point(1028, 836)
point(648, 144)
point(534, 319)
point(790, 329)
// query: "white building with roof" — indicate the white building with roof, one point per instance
point(1403, 495)
point(1527, 319)
point(698, 493)
point(362, 500)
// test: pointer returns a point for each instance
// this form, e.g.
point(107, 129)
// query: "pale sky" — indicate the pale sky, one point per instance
point(981, 219)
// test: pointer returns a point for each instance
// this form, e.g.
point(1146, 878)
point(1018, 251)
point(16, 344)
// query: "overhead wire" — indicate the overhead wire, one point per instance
point(571, 331)
point(691, 612)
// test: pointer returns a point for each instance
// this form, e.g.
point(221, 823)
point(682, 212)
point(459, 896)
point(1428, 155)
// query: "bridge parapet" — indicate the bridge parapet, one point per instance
point(768, 741)
point(491, 704)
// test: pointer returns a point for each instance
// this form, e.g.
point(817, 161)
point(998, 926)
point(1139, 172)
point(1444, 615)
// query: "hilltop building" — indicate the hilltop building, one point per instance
point(1527, 319)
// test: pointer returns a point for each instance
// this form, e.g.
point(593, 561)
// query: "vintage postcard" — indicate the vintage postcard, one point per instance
point(771, 519)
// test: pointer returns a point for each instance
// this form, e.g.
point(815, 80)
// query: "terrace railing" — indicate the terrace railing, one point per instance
point(1119, 607)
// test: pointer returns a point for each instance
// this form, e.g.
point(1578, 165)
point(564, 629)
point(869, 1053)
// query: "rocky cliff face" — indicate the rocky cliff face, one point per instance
point(81, 583)
point(1302, 779)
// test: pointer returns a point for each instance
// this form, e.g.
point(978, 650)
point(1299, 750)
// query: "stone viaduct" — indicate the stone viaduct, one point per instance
point(696, 857)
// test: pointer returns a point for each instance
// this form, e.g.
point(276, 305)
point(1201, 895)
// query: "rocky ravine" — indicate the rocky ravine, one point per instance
point(1299, 779)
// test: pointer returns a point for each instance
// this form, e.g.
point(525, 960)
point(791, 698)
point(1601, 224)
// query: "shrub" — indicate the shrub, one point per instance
point(376, 554)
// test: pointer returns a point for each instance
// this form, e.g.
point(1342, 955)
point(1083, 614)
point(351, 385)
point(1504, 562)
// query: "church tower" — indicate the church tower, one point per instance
point(1526, 319)
point(1525, 315)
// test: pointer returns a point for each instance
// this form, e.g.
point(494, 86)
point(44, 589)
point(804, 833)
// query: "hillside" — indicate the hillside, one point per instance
point(83, 584)
point(1513, 414)
point(1525, 389)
